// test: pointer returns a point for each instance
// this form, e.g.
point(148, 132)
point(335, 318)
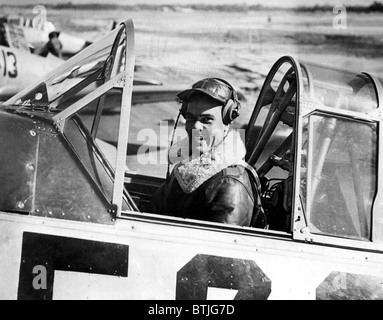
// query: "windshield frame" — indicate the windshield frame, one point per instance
point(122, 81)
point(70, 64)
point(301, 229)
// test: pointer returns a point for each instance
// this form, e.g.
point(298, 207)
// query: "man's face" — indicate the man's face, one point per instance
point(204, 124)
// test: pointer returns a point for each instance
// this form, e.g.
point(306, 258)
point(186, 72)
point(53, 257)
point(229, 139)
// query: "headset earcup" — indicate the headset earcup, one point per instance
point(229, 112)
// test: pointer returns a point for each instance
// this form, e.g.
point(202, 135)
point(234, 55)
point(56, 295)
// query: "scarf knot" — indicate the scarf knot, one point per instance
point(192, 172)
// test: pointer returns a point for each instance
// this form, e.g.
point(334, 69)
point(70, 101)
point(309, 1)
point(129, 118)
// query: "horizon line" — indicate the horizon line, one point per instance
point(70, 4)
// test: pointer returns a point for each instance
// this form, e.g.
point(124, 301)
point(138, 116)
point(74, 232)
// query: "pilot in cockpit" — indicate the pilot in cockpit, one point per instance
point(210, 180)
point(53, 46)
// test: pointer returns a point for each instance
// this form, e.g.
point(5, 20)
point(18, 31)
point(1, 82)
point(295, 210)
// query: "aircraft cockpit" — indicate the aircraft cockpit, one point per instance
point(12, 36)
point(313, 139)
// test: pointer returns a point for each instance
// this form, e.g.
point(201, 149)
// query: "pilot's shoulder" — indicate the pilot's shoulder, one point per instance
point(234, 178)
point(236, 170)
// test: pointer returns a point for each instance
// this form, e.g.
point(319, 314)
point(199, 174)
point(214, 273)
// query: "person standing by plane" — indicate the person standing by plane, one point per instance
point(210, 181)
point(53, 46)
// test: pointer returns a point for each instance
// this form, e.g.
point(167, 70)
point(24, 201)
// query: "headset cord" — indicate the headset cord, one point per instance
point(171, 145)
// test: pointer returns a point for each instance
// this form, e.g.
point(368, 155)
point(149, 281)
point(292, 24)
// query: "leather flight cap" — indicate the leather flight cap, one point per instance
point(212, 87)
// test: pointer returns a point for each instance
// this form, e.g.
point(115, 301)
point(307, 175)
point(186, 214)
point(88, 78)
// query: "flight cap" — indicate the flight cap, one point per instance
point(216, 88)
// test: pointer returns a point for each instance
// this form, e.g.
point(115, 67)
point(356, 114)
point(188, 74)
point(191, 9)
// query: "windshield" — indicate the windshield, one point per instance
point(87, 69)
point(339, 152)
point(340, 89)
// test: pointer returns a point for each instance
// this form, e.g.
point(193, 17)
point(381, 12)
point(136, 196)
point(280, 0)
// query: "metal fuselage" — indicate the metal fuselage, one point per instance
point(138, 259)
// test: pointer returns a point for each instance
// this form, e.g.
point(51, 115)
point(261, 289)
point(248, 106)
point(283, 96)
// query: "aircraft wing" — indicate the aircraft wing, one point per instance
point(155, 93)
point(8, 92)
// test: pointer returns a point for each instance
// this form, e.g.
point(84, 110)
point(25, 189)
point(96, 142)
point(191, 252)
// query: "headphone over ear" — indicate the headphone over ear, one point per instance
point(230, 111)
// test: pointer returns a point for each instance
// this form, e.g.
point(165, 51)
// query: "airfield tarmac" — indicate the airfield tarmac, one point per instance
point(183, 47)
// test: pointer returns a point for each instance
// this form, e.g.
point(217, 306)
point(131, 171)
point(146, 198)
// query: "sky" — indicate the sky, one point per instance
point(280, 3)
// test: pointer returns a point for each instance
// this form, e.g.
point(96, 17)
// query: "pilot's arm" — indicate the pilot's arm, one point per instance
point(230, 201)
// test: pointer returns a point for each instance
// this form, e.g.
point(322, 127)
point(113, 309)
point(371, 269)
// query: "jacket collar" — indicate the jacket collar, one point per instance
point(191, 172)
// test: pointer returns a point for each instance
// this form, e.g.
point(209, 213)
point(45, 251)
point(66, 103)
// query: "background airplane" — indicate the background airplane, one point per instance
point(18, 66)
point(36, 37)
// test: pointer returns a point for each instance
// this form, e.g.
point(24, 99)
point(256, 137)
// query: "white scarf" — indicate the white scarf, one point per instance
point(191, 172)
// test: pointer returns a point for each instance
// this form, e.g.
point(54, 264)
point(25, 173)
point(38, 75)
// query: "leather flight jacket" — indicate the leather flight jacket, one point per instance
point(231, 196)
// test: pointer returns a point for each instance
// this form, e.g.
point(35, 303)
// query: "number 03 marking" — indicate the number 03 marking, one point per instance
point(12, 73)
point(9, 64)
